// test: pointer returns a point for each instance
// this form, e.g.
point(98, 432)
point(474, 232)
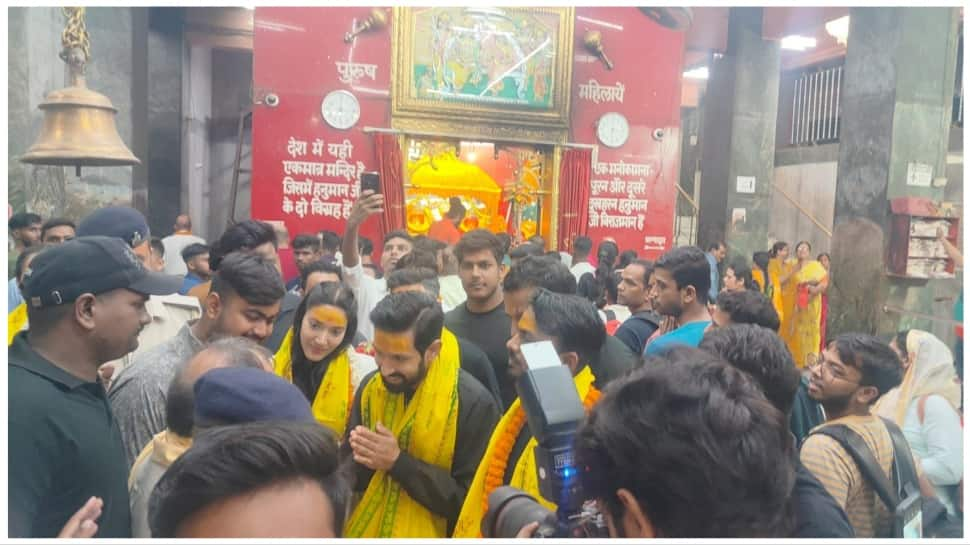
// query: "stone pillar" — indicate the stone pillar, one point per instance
point(896, 105)
point(164, 116)
point(740, 110)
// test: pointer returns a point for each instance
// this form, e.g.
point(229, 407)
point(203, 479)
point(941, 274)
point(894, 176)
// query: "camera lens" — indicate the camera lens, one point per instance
point(509, 509)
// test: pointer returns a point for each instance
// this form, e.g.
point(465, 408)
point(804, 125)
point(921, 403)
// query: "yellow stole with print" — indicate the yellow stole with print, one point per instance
point(426, 429)
point(491, 471)
point(335, 396)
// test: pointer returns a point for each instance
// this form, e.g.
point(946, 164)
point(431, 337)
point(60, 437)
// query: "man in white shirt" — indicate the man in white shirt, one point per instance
point(175, 243)
point(369, 291)
point(582, 246)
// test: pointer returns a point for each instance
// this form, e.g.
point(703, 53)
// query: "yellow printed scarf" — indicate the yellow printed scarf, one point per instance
point(15, 322)
point(426, 429)
point(335, 396)
point(492, 468)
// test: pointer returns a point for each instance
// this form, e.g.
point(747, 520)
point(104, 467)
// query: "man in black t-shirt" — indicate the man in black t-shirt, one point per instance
point(481, 319)
point(634, 292)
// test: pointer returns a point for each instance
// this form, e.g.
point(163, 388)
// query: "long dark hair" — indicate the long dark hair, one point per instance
point(598, 287)
point(777, 247)
point(307, 375)
point(761, 259)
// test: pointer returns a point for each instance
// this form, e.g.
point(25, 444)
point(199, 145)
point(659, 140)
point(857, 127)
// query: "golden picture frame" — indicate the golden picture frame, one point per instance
point(480, 65)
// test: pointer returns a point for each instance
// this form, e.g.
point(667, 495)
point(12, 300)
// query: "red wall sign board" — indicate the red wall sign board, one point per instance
point(633, 195)
point(306, 173)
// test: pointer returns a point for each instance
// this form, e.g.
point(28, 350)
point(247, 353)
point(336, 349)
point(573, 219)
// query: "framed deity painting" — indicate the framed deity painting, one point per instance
point(508, 65)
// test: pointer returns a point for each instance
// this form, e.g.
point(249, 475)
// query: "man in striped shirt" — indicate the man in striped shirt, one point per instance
point(853, 372)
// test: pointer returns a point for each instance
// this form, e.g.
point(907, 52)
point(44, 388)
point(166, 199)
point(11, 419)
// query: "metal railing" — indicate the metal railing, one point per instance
point(815, 107)
point(685, 219)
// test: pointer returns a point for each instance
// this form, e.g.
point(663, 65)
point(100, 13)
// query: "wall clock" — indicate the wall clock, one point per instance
point(613, 130)
point(340, 109)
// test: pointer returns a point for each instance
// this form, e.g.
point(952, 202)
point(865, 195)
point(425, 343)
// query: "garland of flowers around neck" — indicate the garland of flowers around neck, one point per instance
point(503, 448)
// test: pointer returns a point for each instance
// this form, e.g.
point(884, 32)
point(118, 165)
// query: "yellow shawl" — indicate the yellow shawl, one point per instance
point(426, 429)
point(15, 322)
point(335, 396)
point(492, 468)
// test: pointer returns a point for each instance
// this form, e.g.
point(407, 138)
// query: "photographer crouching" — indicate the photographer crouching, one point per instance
point(686, 446)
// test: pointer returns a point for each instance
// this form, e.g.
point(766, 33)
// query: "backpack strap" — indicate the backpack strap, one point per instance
point(857, 448)
point(904, 465)
point(921, 409)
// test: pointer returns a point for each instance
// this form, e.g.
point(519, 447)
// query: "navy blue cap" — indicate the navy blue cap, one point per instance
point(121, 222)
point(62, 273)
point(237, 395)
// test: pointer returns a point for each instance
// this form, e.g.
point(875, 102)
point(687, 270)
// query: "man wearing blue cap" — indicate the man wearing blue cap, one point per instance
point(86, 306)
point(168, 313)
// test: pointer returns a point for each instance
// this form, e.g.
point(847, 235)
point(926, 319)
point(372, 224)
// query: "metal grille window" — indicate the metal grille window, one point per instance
point(815, 107)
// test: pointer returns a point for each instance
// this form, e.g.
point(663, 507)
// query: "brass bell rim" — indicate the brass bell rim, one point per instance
point(59, 160)
point(102, 156)
point(77, 96)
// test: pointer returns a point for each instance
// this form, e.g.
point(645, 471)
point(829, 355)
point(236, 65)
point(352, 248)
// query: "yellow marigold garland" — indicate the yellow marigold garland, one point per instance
point(503, 448)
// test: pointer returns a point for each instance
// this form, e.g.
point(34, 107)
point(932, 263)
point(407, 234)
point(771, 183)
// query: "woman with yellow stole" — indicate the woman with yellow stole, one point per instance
point(810, 279)
point(316, 355)
point(779, 274)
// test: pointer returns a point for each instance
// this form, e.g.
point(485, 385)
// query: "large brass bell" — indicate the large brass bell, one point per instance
point(79, 126)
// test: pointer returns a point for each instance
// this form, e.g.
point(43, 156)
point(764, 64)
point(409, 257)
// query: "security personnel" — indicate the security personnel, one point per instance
point(85, 301)
point(168, 313)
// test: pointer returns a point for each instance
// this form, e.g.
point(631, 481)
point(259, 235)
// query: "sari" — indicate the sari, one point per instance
point(804, 327)
point(783, 295)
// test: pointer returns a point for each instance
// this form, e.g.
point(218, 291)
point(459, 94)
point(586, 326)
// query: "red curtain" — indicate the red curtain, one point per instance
point(389, 164)
point(574, 195)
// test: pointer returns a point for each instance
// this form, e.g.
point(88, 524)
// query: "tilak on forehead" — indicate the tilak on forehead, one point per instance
point(528, 321)
point(386, 341)
point(330, 315)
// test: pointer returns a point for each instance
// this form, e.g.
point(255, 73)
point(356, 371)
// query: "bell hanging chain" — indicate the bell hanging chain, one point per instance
point(75, 38)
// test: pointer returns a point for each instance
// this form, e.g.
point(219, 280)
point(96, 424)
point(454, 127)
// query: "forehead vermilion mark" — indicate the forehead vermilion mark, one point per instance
point(394, 343)
point(329, 315)
point(528, 321)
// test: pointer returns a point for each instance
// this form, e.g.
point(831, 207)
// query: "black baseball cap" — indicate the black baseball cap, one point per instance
point(121, 222)
point(60, 274)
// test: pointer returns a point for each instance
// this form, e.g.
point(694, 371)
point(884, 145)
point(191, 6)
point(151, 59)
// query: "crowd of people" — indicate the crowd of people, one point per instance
point(179, 387)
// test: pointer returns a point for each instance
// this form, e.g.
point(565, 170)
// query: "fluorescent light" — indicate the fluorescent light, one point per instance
point(839, 29)
point(797, 43)
point(697, 73)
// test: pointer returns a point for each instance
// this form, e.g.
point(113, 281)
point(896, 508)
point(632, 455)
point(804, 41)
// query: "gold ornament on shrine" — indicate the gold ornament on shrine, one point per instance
point(79, 124)
point(593, 41)
point(375, 21)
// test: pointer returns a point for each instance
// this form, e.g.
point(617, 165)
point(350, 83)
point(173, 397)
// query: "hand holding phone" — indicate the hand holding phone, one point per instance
point(370, 181)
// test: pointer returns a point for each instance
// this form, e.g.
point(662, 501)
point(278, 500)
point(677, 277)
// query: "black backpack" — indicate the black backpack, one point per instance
point(913, 515)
